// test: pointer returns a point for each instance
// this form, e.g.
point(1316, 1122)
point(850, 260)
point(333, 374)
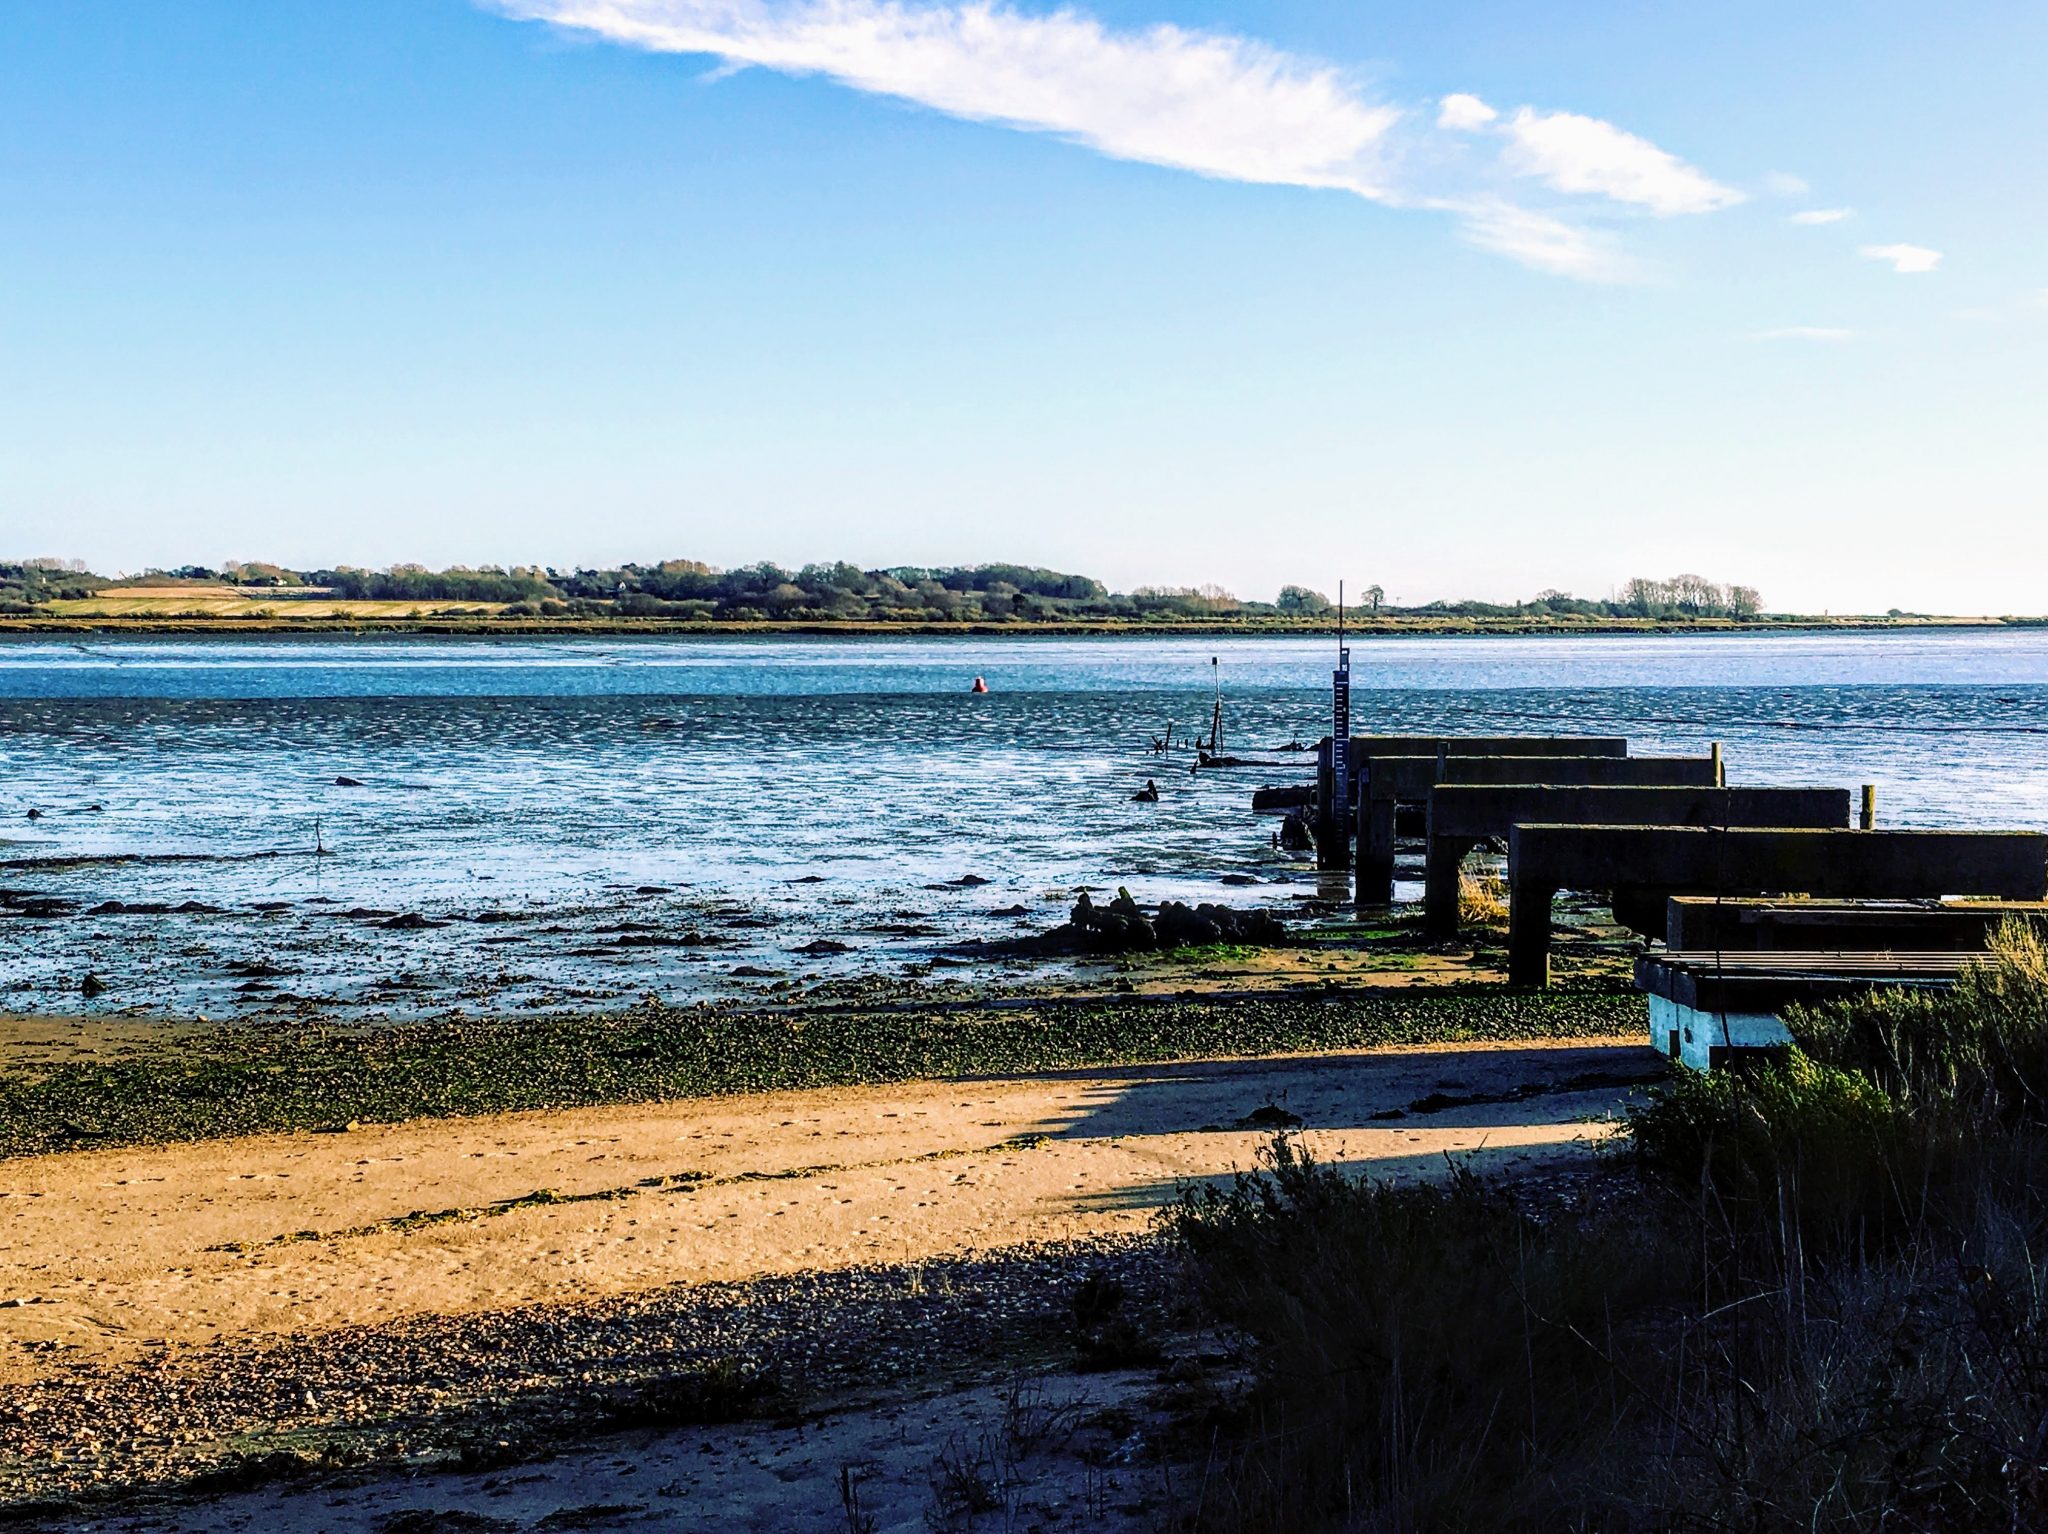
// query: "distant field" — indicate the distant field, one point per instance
point(214, 602)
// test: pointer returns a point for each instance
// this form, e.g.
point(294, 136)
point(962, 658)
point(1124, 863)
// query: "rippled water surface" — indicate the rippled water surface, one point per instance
point(537, 774)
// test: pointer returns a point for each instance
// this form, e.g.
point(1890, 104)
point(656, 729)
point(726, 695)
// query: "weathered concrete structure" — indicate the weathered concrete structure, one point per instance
point(1702, 924)
point(1333, 813)
point(1462, 815)
point(1393, 781)
point(1543, 859)
point(1706, 1007)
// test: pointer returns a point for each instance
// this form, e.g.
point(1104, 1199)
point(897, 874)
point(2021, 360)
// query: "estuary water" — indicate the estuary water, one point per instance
point(783, 793)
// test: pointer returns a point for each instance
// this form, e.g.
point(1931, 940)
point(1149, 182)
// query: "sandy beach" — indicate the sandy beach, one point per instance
point(113, 1254)
point(167, 1288)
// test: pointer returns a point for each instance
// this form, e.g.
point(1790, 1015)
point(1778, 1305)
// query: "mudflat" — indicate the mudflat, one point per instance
point(114, 1254)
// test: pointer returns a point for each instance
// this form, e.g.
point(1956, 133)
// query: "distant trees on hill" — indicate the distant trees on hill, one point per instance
point(991, 593)
point(406, 583)
point(1691, 596)
point(26, 584)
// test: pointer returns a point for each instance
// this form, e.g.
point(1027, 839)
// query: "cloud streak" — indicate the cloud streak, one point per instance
point(1217, 106)
point(1585, 155)
point(1207, 103)
point(1907, 260)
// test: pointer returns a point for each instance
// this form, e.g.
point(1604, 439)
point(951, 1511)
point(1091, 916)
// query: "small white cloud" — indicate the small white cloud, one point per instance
point(1584, 154)
point(1828, 333)
point(1461, 113)
point(1540, 241)
point(1907, 260)
point(1813, 216)
point(1782, 183)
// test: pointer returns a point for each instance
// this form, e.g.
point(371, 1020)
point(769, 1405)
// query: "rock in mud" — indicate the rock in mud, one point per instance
point(411, 921)
point(45, 906)
point(1270, 1116)
point(1122, 927)
point(1296, 834)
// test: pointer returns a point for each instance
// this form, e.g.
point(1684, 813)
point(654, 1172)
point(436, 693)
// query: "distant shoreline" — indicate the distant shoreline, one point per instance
point(1363, 628)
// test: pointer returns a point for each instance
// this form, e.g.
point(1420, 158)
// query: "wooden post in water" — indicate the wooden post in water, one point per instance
point(1868, 819)
point(1720, 767)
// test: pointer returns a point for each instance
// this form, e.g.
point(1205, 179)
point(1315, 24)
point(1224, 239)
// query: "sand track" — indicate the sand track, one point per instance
point(116, 1252)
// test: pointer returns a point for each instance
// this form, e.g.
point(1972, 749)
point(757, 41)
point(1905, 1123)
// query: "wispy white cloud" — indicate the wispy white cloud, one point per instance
point(1812, 216)
point(1827, 333)
point(1908, 260)
point(1583, 154)
point(1782, 183)
point(1460, 113)
point(1204, 102)
point(1538, 240)
point(1218, 106)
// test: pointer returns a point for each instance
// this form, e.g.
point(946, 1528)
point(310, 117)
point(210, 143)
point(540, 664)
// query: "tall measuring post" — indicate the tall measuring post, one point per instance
point(1333, 840)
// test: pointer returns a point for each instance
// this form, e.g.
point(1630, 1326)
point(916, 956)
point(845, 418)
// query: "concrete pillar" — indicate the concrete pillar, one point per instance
point(1529, 934)
point(1440, 886)
point(1374, 876)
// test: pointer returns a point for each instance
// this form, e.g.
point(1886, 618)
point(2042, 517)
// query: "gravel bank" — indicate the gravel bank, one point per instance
point(501, 1386)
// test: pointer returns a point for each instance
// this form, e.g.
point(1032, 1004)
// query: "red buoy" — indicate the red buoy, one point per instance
point(979, 686)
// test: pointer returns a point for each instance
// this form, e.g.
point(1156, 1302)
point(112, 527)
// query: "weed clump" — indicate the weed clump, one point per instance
point(1482, 899)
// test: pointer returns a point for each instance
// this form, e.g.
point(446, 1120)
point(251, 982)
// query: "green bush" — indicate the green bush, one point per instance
point(1792, 1141)
point(1979, 1049)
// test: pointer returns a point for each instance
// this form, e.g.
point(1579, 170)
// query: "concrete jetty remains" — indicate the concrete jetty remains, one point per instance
point(1462, 815)
point(1334, 802)
point(1761, 895)
point(1392, 784)
point(1655, 862)
point(1702, 923)
point(1708, 1009)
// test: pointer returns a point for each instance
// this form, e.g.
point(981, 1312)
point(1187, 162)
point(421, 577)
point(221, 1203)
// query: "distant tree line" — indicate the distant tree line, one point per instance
point(842, 592)
point(27, 583)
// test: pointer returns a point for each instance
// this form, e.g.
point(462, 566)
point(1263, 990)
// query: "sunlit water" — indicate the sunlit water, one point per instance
point(566, 774)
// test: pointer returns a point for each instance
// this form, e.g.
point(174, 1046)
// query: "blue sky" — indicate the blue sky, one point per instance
point(1458, 299)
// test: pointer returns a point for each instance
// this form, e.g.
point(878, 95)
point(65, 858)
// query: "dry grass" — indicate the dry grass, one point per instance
point(1482, 899)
